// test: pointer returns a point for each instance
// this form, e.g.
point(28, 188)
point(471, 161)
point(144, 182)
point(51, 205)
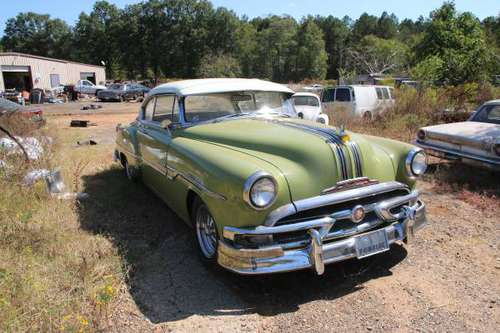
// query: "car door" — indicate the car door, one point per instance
point(87, 87)
point(154, 141)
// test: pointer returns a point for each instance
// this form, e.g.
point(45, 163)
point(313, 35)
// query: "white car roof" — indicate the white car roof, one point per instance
point(210, 86)
point(493, 101)
point(308, 94)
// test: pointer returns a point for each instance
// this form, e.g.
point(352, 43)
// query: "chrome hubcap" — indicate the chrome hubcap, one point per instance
point(206, 232)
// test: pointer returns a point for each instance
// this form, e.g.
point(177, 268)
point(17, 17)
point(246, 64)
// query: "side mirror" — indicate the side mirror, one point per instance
point(166, 123)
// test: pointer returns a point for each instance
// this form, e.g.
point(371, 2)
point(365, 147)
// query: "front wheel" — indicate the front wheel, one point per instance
point(206, 231)
point(131, 172)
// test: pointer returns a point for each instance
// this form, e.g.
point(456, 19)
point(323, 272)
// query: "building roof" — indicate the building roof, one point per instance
point(17, 54)
point(210, 86)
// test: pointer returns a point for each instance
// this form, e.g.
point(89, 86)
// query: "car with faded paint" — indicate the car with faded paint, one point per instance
point(358, 101)
point(88, 87)
point(266, 192)
point(308, 106)
point(122, 92)
point(475, 142)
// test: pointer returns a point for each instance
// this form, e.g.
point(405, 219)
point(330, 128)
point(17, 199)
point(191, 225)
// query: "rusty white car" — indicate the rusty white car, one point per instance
point(476, 141)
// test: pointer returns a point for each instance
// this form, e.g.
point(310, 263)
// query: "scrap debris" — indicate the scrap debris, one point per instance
point(31, 147)
point(89, 142)
point(91, 107)
point(81, 123)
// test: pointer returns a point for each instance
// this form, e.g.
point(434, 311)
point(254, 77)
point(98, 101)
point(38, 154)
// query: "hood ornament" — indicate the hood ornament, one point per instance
point(350, 184)
point(340, 131)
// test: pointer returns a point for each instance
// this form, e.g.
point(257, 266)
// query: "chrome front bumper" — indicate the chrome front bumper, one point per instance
point(319, 250)
point(448, 154)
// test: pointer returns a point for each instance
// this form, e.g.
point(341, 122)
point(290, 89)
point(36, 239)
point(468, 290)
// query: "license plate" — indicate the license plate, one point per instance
point(371, 243)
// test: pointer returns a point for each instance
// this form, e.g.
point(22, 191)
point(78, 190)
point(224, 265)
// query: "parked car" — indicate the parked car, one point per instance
point(33, 113)
point(308, 106)
point(122, 92)
point(87, 87)
point(365, 101)
point(476, 141)
point(266, 192)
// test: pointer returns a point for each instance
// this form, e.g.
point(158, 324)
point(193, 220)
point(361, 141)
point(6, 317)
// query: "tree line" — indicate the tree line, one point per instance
point(192, 38)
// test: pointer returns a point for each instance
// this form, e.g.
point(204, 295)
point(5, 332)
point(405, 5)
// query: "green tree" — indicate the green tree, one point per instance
point(247, 46)
point(311, 55)
point(459, 41)
point(219, 66)
point(387, 26)
point(374, 55)
point(336, 33)
point(96, 36)
point(37, 34)
point(276, 51)
point(365, 25)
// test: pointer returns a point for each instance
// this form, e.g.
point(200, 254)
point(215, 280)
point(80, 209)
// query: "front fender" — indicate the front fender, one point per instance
point(223, 171)
point(126, 143)
point(397, 151)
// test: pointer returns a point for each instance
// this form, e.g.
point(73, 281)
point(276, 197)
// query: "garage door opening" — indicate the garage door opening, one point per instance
point(88, 76)
point(17, 77)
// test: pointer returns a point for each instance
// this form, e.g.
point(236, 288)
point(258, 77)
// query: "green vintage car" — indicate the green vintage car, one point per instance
point(265, 191)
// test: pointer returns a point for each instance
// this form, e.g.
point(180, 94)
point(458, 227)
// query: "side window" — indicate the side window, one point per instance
point(379, 93)
point(163, 108)
point(343, 95)
point(391, 92)
point(148, 110)
point(328, 95)
point(385, 92)
point(175, 112)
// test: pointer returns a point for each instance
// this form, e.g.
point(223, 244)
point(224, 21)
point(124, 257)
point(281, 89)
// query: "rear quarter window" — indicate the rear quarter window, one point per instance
point(379, 93)
point(343, 95)
point(328, 95)
point(385, 92)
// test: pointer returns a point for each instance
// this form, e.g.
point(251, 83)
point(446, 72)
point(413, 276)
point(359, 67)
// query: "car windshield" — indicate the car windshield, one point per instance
point(488, 114)
point(305, 101)
point(213, 106)
point(117, 86)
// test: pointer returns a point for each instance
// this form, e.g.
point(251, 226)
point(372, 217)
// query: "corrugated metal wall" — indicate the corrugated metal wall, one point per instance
point(69, 73)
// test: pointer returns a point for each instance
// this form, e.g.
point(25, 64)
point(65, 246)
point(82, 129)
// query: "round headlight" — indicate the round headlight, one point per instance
point(260, 190)
point(416, 163)
point(421, 135)
point(496, 149)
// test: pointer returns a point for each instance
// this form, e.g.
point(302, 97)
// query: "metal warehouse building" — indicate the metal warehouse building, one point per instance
point(25, 72)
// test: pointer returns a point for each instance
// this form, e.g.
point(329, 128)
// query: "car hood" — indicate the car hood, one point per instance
point(304, 158)
point(462, 131)
point(307, 109)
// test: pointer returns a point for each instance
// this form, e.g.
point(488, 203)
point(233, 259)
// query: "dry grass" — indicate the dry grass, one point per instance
point(54, 276)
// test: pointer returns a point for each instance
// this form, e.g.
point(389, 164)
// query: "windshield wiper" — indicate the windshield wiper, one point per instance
point(233, 115)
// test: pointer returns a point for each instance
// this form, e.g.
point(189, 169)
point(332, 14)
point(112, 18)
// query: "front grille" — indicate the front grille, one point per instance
point(336, 207)
point(340, 226)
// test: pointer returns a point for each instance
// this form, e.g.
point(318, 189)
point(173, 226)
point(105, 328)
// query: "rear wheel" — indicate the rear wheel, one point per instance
point(367, 116)
point(131, 172)
point(206, 230)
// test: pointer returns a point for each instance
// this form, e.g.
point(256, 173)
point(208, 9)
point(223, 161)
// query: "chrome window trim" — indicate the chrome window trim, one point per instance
point(251, 181)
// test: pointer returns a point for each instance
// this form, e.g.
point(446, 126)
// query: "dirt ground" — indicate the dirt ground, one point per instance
point(447, 280)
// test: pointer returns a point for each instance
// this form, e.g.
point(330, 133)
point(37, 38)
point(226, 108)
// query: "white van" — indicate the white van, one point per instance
point(359, 100)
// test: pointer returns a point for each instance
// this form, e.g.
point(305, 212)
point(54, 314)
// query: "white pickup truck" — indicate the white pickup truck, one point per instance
point(87, 87)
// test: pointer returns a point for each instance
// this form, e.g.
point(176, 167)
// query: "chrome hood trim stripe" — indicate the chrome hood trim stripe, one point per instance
point(348, 154)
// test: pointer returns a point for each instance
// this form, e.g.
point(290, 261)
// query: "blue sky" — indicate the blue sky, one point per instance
point(69, 10)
